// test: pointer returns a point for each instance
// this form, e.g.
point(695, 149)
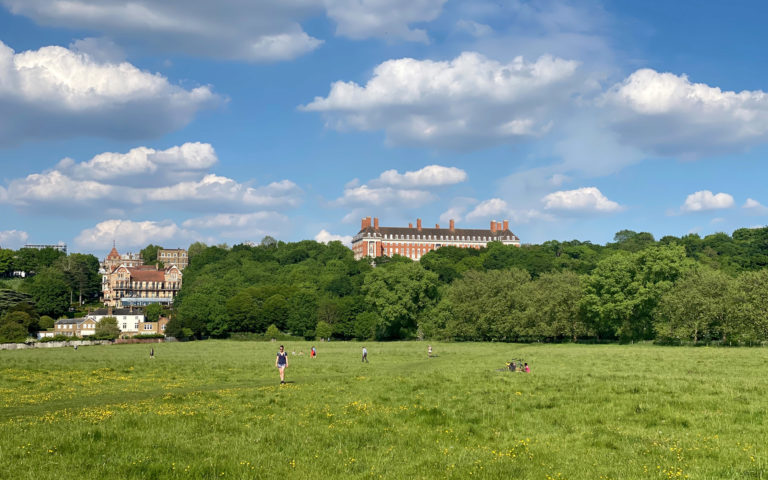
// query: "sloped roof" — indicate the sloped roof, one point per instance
point(438, 232)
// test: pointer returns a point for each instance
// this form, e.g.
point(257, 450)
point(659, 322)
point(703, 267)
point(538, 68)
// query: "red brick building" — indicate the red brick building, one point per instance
point(375, 241)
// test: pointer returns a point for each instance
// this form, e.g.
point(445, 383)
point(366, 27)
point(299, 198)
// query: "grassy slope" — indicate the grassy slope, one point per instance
point(214, 410)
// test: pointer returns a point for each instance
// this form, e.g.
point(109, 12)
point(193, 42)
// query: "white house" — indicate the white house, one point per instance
point(128, 320)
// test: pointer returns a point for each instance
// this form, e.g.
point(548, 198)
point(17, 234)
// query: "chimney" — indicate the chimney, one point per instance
point(418, 224)
point(376, 223)
point(493, 226)
point(506, 225)
point(451, 225)
point(437, 225)
point(367, 221)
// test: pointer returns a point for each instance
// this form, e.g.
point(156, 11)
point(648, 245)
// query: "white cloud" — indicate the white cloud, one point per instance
point(474, 28)
point(383, 18)
point(453, 213)
point(468, 102)
point(55, 92)
point(755, 207)
point(144, 176)
point(133, 234)
point(213, 189)
point(705, 200)
point(489, 208)
point(384, 196)
point(257, 31)
point(429, 176)
point(143, 165)
point(324, 237)
point(668, 114)
point(13, 238)
point(101, 49)
point(246, 226)
point(587, 199)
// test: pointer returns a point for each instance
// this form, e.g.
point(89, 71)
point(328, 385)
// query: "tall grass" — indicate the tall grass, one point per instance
point(214, 409)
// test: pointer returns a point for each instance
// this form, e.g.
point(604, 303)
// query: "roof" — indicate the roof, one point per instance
point(438, 232)
point(113, 254)
point(116, 311)
point(69, 321)
point(143, 275)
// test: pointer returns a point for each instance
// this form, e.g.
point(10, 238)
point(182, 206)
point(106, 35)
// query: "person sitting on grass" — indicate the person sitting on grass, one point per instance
point(526, 368)
point(513, 367)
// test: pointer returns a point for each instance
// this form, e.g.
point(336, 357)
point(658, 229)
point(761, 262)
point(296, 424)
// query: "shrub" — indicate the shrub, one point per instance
point(12, 332)
point(323, 330)
point(272, 332)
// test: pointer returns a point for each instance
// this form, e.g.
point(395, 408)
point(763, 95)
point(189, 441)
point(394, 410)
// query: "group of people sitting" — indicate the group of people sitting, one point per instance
point(518, 367)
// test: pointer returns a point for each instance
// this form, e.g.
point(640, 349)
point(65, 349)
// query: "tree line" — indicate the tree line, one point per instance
point(672, 290)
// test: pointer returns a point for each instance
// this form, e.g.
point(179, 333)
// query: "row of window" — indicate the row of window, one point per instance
point(467, 238)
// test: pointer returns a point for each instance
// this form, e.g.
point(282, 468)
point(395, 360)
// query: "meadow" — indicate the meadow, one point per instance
point(214, 409)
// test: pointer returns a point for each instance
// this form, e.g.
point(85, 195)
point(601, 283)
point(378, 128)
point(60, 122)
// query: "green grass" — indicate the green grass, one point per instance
point(214, 409)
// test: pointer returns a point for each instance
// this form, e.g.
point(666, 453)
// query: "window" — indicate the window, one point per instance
point(148, 326)
point(136, 326)
point(163, 327)
point(125, 326)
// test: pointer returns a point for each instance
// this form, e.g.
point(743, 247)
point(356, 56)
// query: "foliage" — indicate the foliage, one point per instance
point(153, 312)
point(12, 332)
point(323, 330)
point(273, 331)
point(106, 329)
point(45, 322)
point(149, 254)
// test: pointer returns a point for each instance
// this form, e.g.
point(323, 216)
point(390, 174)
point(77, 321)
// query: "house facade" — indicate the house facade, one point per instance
point(140, 286)
point(128, 320)
point(74, 327)
point(414, 242)
point(114, 260)
point(173, 256)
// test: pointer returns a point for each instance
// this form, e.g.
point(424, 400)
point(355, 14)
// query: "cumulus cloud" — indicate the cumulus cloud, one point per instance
point(13, 238)
point(145, 176)
point(56, 92)
point(383, 18)
point(325, 236)
point(133, 234)
point(241, 226)
point(214, 189)
point(143, 165)
point(429, 176)
point(667, 114)
point(587, 199)
point(755, 207)
point(468, 102)
point(497, 209)
point(384, 196)
point(259, 31)
point(705, 200)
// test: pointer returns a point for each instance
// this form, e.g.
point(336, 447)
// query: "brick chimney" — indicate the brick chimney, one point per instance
point(451, 225)
point(437, 225)
point(418, 224)
point(376, 223)
point(493, 226)
point(506, 225)
point(410, 225)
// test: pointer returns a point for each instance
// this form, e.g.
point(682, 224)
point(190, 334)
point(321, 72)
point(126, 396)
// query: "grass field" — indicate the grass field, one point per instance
point(214, 409)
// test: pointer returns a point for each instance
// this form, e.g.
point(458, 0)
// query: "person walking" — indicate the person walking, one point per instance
point(313, 352)
point(281, 362)
point(365, 355)
point(429, 351)
point(152, 352)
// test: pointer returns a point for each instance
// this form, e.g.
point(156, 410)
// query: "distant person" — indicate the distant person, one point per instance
point(152, 352)
point(281, 362)
point(513, 367)
point(313, 352)
point(75, 346)
point(365, 355)
point(429, 351)
point(526, 368)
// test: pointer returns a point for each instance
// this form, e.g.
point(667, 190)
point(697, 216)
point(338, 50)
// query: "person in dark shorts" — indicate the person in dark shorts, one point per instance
point(365, 355)
point(281, 362)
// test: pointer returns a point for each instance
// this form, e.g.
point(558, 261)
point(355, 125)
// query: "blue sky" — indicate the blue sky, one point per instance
point(183, 120)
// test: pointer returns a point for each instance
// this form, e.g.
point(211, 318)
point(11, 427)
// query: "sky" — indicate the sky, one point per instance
point(175, 121)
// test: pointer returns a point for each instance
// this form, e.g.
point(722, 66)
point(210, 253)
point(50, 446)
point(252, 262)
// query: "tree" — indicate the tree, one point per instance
point(107, 328)
point(196, 248)
point(11, 298)
point(12, 332)
point(751, 300)
point(366, 324)
point(50, 291)
point(22, 318)
point(698, 307)
point(275, 311)
point(398, 292)
point(553, 306)
point(323, 330)
point(46, 322)
point(153, 312)
point(149, 254)
point(273, 331)
point(268, 242)
point(82, 275)
point(6, 262)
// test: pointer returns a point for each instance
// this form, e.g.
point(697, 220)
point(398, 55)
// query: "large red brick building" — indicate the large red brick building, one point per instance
point(413, 242)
